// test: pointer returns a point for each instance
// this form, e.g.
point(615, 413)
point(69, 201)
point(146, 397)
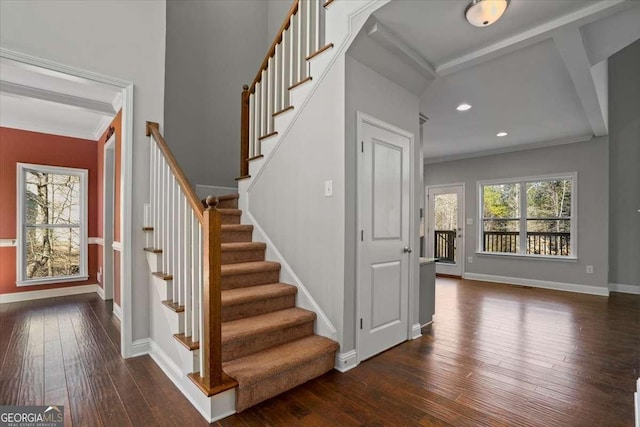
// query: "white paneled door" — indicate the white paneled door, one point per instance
point(383, 256)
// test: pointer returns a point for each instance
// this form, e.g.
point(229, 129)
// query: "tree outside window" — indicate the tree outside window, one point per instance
point(53, 224)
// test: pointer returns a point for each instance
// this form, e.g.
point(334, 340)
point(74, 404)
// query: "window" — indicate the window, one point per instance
point(52, 224)
point(529, 216)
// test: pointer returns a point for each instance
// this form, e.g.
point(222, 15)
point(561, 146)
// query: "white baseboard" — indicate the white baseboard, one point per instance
point(626, 289)
point(100, 292)
point(556, 286)
point(426, 324)
point(117, 311)
point(140, 347)
point(346, 361)
point(416, 331)
point(48, 293)
point(202, 191)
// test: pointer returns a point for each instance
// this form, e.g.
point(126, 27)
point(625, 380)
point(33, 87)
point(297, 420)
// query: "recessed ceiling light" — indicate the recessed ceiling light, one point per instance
point(463, 107)
point(501, 134)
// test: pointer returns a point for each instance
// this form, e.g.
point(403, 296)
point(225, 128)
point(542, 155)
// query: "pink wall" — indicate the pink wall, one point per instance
point(38, 148)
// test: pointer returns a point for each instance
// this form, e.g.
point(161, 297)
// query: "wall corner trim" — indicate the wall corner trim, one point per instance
point(556, 286)
point(346, 361)
point(117, 311)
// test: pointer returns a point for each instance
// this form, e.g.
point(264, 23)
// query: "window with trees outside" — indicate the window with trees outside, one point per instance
point(529, 216)
point(52, 224)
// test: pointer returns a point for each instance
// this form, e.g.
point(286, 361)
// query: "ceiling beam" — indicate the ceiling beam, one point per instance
point(571, 47)
point(395, 44)
point(91, 105)
point(534, 35)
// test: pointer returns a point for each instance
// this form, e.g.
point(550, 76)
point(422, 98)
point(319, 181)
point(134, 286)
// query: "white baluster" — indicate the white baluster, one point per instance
point(179, 244)
point(195, 278)
point(286, 67)
point(268, 74)
point(309, 28)
point(200, 296)
point(252, 131)
point(174, 239)
point(263, 101)
point(186, 262)
point(166, 249)
point(293, 59)
point(300, 55)
point(156, 205)
point(277, 79)
point(258, 100)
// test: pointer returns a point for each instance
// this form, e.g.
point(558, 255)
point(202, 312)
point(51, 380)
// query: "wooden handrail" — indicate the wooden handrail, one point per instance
point(154, 129)
point(276, 41)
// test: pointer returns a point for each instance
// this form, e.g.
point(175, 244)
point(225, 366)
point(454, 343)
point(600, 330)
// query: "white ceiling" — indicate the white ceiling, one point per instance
point(41, 100)
point(535, 74)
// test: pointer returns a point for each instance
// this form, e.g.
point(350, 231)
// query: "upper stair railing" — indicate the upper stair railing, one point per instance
point(301, 37)
point(190, 239)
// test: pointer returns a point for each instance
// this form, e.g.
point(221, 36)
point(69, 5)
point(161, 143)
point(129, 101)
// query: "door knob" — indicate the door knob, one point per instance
point(407, 250)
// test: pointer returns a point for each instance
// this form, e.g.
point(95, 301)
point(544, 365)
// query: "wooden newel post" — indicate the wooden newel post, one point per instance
point(212, 351)
point(244, 133)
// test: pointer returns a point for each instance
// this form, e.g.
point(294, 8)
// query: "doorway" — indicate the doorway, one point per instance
point(445, 228)
point(384, 196)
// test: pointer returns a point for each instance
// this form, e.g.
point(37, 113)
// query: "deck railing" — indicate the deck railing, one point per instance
point(189, 237)
point(444, 245)
point(537, 242)
point(285, 66)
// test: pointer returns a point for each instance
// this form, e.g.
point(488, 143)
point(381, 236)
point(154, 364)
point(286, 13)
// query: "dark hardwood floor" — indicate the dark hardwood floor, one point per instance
point(496, 355)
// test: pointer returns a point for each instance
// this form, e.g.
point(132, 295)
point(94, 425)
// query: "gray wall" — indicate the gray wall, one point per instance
point(276, 11)
point(212, 48)
point(372, 94)
point(624, 166)
point(589, 160)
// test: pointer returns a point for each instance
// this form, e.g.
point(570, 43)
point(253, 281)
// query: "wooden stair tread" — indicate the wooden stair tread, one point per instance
point(265, 323)
point(173, 306)
point(242, 246)
point(252, 293)
point(187, 342)
point(147, 228)
point(258, 366)
point(153, 250)
point(162, 276)
point(249, 267)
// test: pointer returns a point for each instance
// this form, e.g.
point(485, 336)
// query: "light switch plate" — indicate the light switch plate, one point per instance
point(328, 188)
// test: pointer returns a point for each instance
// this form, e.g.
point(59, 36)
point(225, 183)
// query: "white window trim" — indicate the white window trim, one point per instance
point(573, 176)
point(22, 168)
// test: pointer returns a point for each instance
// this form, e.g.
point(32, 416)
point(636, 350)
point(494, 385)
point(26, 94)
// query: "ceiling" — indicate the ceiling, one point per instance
point(536, 73)
point(42, 100)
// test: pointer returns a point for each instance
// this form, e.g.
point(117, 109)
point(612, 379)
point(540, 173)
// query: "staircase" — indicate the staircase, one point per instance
point(223, 326)
point(268, 344)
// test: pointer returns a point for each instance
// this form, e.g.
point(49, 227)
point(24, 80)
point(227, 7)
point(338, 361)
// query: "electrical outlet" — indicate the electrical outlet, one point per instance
point(328, 188)
point(589, 269)
point(470, 260)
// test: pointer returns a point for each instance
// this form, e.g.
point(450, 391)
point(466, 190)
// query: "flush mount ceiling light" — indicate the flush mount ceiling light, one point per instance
point(482, 13)
point(463, 107)
point(501, 134)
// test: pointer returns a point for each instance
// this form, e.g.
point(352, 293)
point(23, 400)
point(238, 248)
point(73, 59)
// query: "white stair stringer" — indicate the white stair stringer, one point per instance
point(175, 360)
